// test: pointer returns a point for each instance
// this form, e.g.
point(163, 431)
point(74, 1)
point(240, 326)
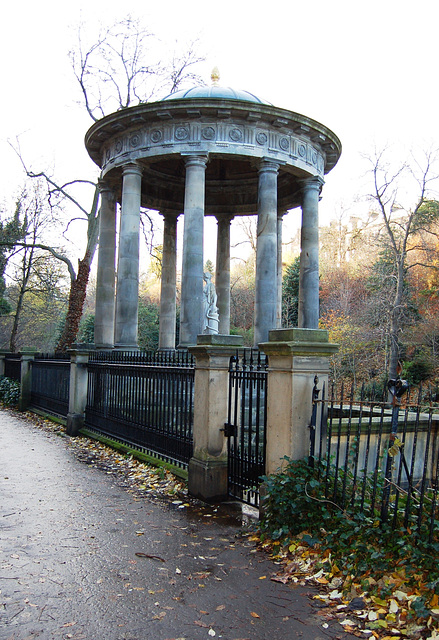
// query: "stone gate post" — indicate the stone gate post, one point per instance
point(2, 362)
point(25, 379)
point(295, 356)
point(208, 467)
point(78, 391)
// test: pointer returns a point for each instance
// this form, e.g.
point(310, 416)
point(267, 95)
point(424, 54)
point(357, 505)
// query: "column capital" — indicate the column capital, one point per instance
point(104, 187)
point(227, 219)
point(313, 183)
point(195, 159)
point(170, 214)
point(132, 168)
point(269, 165)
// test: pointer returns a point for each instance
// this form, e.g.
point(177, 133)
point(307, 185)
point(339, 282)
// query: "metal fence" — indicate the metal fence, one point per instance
point(144, 400)
point(380, 457)
point(51, 383)
point(246, 424)
point(13, 366)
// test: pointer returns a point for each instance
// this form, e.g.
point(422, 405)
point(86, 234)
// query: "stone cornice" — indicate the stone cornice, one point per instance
point(226, 127)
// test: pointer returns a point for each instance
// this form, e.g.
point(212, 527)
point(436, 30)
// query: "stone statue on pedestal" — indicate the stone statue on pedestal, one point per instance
point(210, 319)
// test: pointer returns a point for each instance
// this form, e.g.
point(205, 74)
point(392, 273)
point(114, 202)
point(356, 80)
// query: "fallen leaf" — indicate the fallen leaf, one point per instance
point(394, 606)
point(434, 601)
point(379, 601)
point(254, 615)
point(220, 607)
point(159, 616)
point(201, 624)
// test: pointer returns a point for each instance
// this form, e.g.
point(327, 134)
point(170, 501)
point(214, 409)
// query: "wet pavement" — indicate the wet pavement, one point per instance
point(82, 558)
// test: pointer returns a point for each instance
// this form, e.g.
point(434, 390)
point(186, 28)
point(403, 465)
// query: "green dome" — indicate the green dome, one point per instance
point(217, 93)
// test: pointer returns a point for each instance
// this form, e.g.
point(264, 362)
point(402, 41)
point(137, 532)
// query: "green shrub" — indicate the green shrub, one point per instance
point(9, 391)
point(418, 369)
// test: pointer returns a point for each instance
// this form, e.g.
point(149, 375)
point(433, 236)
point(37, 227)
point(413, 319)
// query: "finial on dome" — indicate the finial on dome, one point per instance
point(215, 76)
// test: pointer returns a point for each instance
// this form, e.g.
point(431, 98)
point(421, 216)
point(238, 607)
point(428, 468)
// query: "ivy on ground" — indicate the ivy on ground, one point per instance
point(352, 551)
point(9, 391)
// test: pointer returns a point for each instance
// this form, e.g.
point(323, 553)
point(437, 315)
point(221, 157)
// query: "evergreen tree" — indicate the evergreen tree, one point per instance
point(11, 230)
point(290, 294)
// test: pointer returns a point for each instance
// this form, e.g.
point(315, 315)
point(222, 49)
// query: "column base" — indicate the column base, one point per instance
point(126, 347)
point(208, 480)
point(75, 422)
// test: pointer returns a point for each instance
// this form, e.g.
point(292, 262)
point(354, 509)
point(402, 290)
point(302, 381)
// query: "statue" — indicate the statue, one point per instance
point(210, 316)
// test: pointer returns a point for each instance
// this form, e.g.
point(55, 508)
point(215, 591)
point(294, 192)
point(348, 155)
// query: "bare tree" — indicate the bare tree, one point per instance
point(126, 65)
point(35, 218)
point(119, 69)
point(57, 196)
point(409, 183)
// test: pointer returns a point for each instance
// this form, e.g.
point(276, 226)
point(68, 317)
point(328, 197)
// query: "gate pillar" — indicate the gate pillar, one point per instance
point(208, 467)
point(78, 391)
point(295, 356)
point(25, 379)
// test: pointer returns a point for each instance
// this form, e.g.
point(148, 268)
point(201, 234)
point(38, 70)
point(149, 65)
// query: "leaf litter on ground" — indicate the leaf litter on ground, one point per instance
point(390, 616)
point(138, 477)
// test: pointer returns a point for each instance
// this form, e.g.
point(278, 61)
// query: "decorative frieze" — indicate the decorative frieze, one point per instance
point(254, 140)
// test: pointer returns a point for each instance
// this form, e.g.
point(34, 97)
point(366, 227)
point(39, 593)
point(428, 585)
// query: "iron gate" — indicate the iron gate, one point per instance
point(246, 424)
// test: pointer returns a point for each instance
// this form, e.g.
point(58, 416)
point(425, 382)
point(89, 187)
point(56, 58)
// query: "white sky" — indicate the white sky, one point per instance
point(367, 70)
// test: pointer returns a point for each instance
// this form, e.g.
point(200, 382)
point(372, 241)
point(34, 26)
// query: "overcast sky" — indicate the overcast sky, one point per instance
point(367, 70)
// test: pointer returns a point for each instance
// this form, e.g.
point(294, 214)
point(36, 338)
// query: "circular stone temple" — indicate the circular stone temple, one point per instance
point(207, 151)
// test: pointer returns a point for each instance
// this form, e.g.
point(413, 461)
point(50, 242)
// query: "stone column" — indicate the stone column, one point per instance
point(295, 356)
point(266, 252)
point(279, 271)
point(207, 471)
point(168, 295)
point(105, 278)
point(127, 290)
point(191, 311)
point(222, 276)
point(77, 391)
point(309, 256)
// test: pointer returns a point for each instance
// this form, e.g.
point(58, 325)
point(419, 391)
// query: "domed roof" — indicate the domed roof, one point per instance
point(216, 92)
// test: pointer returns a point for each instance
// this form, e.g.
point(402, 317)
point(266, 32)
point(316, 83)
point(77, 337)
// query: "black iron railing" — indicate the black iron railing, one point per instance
point(51, 383)
point(246, 424)
point(380, 455)
point(13, 366)
point(145, 400)
point(166, 358)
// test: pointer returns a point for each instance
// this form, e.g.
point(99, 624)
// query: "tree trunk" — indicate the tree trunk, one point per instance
point(78, 290)
point(395, 322)
point(14, 331)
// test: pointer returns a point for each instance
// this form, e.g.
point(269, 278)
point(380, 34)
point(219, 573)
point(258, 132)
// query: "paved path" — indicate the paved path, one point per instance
point(68, 566)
